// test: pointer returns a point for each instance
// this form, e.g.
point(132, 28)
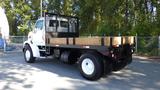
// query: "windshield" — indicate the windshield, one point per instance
point(39, 24)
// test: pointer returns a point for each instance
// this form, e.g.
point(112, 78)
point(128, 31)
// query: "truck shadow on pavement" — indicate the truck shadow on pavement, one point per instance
point(53, 75)
point(140, 75)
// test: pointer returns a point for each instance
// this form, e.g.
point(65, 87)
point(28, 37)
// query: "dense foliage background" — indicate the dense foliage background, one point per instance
point(97, 17)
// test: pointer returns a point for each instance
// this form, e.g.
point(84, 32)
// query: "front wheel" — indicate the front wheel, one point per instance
point(90, 66)
point(28, 55)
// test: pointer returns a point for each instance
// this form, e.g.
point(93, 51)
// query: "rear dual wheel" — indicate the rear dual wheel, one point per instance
point(91, 66)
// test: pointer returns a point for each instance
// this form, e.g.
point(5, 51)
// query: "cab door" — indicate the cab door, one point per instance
point(39, 33)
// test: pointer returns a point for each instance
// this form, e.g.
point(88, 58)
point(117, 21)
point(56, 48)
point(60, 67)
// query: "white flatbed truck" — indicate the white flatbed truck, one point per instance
point(58, 36)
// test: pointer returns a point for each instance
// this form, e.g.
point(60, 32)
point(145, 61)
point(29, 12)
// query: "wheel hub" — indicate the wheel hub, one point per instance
point(88, 66)
point(27, 55)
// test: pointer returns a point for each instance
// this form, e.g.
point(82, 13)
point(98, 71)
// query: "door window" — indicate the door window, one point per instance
point(64, 24)
point(53, 23)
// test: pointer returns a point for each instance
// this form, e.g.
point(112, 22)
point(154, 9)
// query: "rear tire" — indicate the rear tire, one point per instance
point(118, 66)
point(28, 55)
point(122, 64)
point(90, 66)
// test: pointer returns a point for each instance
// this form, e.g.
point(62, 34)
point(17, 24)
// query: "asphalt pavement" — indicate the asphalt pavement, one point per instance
point(49, 74)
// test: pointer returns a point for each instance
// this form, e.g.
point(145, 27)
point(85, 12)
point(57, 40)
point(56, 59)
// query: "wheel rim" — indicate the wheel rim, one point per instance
point(27, 55)
point(88, 66)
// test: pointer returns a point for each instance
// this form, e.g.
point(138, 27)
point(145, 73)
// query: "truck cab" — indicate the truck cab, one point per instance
point(55, 26)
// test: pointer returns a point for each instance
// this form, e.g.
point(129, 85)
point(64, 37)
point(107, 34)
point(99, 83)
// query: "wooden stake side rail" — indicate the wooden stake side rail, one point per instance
point(95, 41)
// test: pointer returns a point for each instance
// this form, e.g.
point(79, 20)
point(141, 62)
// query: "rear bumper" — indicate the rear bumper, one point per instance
point(122, 53)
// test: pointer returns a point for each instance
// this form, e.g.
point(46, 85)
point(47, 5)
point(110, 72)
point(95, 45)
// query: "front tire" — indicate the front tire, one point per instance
point(28, 55)
point(91, 66)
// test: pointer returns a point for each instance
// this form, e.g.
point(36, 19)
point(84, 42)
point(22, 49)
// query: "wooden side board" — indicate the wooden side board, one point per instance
point(60, 41)
point(88, 41)
point(107, 41)
point(116, 40)
point(76, 41)
point(129, 40)
point(91, 41)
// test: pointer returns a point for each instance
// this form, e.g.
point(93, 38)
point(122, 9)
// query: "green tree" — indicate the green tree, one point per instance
point(18, 14)
point(54, 6)
point(110, 17)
